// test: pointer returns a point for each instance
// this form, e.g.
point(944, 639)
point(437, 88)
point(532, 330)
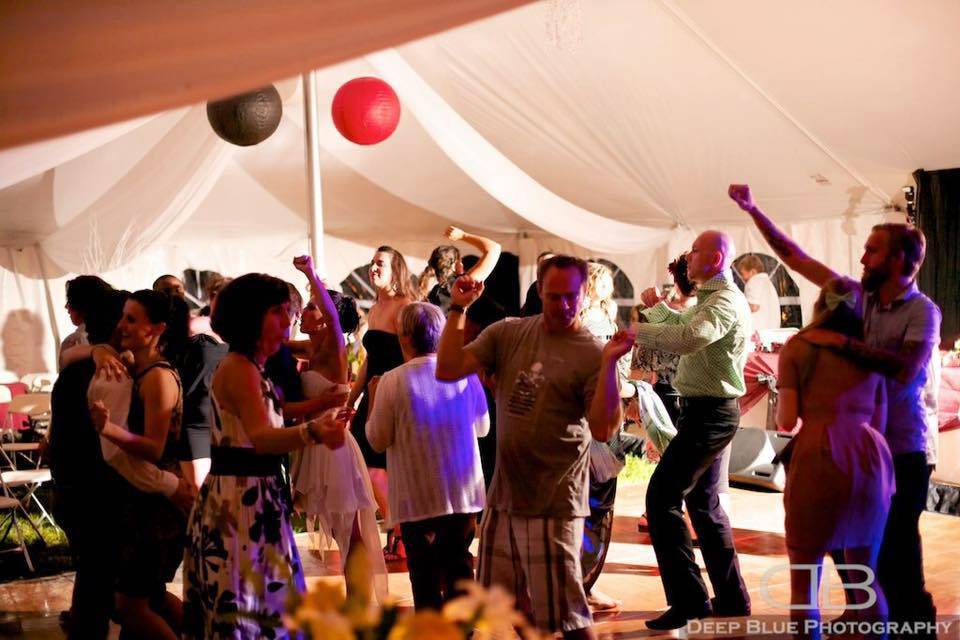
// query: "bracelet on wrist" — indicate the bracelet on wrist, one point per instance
point(305, 433)
point(456, 308)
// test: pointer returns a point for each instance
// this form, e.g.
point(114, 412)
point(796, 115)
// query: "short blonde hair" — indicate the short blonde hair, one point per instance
point(423, 323)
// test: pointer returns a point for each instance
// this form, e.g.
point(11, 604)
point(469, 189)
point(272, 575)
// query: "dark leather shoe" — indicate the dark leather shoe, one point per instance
point(740, 610)
point(674, 618)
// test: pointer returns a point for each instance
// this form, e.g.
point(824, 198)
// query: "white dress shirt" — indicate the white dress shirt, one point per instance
point(142, 474)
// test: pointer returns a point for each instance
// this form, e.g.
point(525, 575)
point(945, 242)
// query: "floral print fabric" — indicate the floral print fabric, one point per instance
point(241, 567)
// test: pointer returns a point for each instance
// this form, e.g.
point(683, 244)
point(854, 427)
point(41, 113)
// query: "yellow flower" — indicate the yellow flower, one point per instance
point(323, 596)
point(329, 625)
point(425, 624)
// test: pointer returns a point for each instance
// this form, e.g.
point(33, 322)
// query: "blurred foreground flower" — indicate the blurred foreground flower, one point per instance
point(326, 611)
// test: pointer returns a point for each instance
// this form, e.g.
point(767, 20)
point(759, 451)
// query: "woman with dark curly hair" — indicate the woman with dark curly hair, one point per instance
point(242, 562)
point(153, 328)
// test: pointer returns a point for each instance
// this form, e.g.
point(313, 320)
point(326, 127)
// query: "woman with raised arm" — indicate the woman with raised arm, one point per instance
point(334, 484)
point(242, 562)
point(390, 278)
point(447, 265)
point(154, 329)
point(840, 472)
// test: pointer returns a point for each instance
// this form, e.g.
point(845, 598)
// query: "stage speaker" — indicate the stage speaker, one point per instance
point(752, 458)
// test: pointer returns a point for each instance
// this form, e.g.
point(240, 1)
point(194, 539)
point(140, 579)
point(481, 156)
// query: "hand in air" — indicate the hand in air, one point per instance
point(650, 297)
point(465, 291)
point(619, 345)
point(453, 233)
point(99, 414)
point(740, 193)
point(303, 264)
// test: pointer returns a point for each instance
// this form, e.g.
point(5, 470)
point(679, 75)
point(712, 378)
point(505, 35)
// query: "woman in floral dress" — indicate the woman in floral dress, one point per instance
point(242, 568)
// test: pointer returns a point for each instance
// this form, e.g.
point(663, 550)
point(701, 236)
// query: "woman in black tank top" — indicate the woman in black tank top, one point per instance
point(152, 529)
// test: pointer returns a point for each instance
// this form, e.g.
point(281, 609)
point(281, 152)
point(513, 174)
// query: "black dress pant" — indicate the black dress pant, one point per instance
point(438, 556)
point(900, 565)
point(89, 535)
point(690, 471)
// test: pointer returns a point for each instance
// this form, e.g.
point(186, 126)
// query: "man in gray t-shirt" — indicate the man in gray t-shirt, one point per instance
point(544, 385)
point(556, 387)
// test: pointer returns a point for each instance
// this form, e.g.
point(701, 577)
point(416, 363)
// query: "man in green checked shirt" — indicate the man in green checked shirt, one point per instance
point(711, 338)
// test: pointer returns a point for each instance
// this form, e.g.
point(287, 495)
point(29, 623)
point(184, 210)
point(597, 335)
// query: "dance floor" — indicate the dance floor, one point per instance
point(630, 574)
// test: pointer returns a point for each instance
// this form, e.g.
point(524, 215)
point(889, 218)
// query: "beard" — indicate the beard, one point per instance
point(872, 279)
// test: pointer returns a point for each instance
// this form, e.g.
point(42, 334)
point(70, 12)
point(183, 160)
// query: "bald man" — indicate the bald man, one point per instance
point(711, 338)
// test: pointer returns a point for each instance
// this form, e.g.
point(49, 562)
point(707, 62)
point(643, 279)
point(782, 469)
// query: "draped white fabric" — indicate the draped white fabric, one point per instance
point(621, 147)
point(501, 178)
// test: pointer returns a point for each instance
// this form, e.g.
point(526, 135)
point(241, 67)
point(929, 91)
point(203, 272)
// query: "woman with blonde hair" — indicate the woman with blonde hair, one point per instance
point(840, 473)
point(599, 311)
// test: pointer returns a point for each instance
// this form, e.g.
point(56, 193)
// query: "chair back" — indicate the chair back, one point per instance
point(39, 382)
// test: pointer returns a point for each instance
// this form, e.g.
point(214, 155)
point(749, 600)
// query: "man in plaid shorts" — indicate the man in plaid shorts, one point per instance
point(556, 387)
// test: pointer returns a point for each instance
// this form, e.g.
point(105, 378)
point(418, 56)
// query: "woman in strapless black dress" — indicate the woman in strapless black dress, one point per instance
point(383, 354)
point(390, 277)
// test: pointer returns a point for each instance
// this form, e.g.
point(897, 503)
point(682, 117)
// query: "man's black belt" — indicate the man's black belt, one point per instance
point(243, 461)
point(701, 400)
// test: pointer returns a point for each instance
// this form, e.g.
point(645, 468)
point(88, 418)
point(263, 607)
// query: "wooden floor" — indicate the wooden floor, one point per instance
point(630, 573)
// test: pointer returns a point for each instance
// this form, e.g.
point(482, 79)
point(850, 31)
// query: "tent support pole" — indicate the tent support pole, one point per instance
point(314, 190)
point(50, 309)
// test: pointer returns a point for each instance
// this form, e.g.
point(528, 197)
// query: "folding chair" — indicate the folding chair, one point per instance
point(39, 382)
point(28, 481)
point(15, 512)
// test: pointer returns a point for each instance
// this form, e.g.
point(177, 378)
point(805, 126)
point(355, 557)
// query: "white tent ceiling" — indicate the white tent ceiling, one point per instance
point(620, 143)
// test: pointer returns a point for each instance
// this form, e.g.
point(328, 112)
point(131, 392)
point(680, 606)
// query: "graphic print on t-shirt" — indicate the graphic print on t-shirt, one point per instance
point(523, 397)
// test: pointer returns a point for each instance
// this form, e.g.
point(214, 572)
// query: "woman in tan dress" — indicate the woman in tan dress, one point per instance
point(840, 473)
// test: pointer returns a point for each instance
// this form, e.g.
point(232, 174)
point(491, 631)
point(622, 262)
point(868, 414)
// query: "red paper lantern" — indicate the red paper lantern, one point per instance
point(366, 110)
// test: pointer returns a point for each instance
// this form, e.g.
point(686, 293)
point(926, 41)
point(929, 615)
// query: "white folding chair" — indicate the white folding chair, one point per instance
point(22, 484)
point(15, 512)
point(39, 382)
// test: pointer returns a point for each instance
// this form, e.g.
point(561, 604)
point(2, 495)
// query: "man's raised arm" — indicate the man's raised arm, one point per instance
point(786, 249)
point(453, 361)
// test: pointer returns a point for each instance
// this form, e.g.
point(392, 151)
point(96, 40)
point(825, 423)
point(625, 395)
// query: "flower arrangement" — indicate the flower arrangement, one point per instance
point(327, 611)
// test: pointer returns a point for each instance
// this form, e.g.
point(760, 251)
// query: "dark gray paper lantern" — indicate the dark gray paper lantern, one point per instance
point(246, 119)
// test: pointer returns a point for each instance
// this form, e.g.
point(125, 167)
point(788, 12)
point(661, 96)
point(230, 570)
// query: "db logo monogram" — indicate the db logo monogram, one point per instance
point(865, 586)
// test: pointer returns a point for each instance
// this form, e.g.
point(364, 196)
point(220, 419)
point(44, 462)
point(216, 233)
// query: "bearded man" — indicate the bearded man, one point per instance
point(901, 332)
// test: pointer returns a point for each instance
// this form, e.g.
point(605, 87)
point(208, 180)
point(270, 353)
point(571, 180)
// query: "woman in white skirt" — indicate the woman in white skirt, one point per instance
point(333, 485)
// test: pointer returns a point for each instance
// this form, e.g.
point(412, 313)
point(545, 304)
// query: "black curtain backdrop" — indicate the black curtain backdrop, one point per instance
point(938, 216)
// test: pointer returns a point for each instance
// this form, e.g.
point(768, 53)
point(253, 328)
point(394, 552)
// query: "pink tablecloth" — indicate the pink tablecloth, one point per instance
point(949, 406)
point(759, 366)
point(765, 364)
